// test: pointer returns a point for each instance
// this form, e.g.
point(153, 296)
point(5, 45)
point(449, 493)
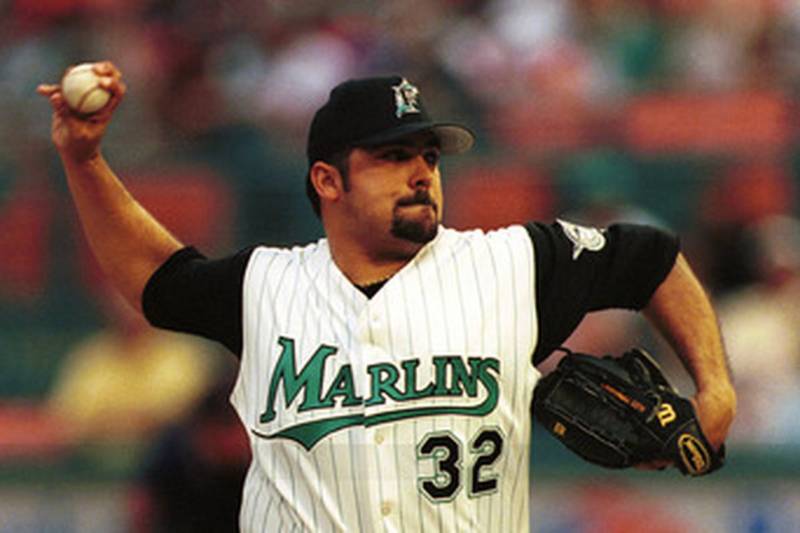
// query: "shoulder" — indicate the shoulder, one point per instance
point(509, 237)
point(301, 253)
point(266, 261)
point(502, 250)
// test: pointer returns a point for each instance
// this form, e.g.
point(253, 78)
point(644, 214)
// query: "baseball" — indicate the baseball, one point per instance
point(82, 91)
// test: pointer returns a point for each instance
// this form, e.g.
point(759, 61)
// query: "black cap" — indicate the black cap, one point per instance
point(373, 111)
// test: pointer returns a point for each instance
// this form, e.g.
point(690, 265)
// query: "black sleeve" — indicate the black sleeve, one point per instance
point(192, 294)
point(579, 270)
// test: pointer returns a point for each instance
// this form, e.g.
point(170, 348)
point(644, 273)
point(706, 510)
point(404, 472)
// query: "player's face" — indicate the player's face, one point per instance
point(397, 187)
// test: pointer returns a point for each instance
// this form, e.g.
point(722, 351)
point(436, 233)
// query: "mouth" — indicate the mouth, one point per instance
point(432, 206)
point(421, 199)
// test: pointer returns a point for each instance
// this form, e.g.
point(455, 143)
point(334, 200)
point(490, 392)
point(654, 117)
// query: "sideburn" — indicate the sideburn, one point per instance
point(341, 162)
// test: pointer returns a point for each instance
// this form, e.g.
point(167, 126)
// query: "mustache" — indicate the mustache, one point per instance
point(420, 197)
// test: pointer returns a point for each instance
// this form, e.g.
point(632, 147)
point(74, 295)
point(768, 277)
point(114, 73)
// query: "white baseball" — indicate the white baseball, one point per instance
point(82, 91)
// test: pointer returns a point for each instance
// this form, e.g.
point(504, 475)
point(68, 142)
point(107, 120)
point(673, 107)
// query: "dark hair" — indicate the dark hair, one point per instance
point(341, 162)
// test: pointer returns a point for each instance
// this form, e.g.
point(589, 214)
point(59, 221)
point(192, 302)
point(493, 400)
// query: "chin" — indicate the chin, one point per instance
point(415, 231)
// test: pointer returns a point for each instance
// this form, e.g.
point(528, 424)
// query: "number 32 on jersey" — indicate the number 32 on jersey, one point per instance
point(455, 466)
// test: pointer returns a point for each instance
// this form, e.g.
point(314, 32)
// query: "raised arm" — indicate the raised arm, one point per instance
point(681, 310)
point(128, 242)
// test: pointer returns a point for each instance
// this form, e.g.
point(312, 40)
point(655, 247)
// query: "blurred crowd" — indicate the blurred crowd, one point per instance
point(679, 113)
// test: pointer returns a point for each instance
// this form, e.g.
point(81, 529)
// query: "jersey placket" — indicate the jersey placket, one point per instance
point(377, 458)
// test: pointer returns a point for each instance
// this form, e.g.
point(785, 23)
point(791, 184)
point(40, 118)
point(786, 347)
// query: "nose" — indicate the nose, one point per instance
point(424, 173)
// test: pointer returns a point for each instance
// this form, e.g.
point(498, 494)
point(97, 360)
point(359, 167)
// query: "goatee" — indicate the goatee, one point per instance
point(414, 230)
point(417, 230)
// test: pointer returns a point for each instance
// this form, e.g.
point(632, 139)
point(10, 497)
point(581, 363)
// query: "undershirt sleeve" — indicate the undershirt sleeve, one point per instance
point(190, 293)
point(623, 271)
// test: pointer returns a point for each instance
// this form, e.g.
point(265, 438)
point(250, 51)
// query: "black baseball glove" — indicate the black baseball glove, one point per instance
point(618, 412)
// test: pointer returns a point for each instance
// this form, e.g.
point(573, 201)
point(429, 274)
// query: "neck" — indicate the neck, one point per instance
point(367, 255)
point(363, 268)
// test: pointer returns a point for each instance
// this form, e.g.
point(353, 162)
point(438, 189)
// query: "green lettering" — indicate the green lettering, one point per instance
point(383, 376)
point(342, 386)
point(309, 380)
point(410, 371)
point(464, 380)
point(440, 364)
point(489, 380)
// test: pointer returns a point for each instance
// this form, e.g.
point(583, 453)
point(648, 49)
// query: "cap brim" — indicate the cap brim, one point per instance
point(453, 138)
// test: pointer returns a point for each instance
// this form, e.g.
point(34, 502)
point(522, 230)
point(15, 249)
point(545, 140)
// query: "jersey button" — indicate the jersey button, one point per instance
point(378, 437)
point(386, 508)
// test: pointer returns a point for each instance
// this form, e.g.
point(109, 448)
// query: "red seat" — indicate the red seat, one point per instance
point(25, 220)
point(741, 123)
point(489, 197)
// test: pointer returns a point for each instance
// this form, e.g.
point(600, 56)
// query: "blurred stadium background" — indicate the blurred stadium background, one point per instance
point(680, 113)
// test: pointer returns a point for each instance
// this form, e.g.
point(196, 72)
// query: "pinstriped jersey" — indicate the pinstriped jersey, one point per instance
point(408, 411)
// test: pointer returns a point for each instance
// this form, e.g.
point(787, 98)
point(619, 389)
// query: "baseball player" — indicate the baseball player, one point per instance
point(387, 369)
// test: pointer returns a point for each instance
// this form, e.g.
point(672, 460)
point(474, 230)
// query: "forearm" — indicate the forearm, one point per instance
point(682, 311)
point(127, 241)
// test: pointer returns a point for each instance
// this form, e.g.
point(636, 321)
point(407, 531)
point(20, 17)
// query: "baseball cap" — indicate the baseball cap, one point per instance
point(373, 111)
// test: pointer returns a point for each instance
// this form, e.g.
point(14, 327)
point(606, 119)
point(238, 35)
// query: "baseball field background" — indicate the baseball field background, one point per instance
point(678, 113)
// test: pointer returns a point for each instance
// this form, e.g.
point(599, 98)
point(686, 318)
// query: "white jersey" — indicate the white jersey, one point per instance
point(407, 411)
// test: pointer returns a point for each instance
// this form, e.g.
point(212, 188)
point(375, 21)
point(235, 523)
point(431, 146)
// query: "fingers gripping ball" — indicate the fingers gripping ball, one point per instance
point(82, 90)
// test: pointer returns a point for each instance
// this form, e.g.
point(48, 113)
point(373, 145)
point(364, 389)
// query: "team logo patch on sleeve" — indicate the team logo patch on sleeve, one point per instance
point(582, 237)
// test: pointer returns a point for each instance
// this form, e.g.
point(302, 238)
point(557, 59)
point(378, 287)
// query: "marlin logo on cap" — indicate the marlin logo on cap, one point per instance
point(405, 98)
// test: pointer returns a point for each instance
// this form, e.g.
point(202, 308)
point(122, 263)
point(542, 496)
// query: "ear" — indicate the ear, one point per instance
point(327, 181)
